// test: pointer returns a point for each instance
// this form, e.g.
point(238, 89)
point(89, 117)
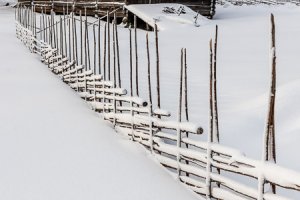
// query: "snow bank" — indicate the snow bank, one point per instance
point(52, 146)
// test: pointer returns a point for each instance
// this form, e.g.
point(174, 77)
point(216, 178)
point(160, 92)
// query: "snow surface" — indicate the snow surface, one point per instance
point(152, 13)
point(52, 146)
point(243, 74)
point(4, 2)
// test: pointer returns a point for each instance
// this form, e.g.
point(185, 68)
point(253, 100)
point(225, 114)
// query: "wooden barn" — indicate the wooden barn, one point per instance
point(100, 7)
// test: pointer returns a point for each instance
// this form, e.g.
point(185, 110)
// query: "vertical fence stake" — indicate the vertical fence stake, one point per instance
point(210, 133)
point(157, 67)
point(104, 52)
point(108, 45)
point(150, 96)
point(118, 57)
point(179, 117)
point(99, 45)
point(136, 57)
point(95, 45)
point(81, 35)
point(269, 145)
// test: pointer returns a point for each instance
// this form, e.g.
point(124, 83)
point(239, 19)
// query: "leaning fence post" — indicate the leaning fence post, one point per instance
point(157, 67)
point(179, 117)
point(150, 96)
point(210, 132)
point(216, 137)
point(269, 148)
point(136, 57)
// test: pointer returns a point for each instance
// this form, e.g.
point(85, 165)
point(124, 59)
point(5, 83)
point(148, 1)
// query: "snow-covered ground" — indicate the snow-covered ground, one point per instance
point(243, 75)
point(243, 85)
point(52, 146)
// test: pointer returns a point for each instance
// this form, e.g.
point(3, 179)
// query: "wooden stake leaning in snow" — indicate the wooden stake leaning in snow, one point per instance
point(104, 52)
point(130, 61)
point(53, 28)
point(75, 35)
point(61, 36)
point(210, 133)
point(216, 134)
point(136, 58)
point(108, 44)
point(70, 47)
point(114, 55)
point(269, 147)
point(99, 45)
point(114, 71)
point(184, 66)
point(56, 38)
point(185, 89)
point(131, 83)
point(118, 57)
point(216, 137)
point(150, 95)
point(81, 46)
point(65, 32)
point(95, 43)
point(157, 67)
point(179, 116)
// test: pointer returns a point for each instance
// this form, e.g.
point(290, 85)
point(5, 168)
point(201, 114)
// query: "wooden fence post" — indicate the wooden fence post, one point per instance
point(216, 137)
point(81, 45)
point(99, 45)
point(179, 116)
point(104, 51)
point(150, 96)
point(210, 132)
point(157, 67)
point(136, 57)
point(108, 45)
point(269, 148)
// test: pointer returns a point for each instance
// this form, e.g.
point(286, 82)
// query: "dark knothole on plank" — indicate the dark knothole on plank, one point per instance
point(199, 130)
point(145, 103)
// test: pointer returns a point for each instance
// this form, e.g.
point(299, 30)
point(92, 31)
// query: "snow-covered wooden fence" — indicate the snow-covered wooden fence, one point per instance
point(206, 167)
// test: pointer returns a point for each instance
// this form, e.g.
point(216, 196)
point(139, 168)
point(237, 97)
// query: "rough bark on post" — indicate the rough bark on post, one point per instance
point(130, 62)
point(99, 45)
point(81, 35)
point(75, 35)
point(95, 45)
point(269, 146)
point(118, 57)
point(179, 116)
point(210, 132)
point(216, 137)
point(136, 57)
point(104, 52)
point(108, 45)
point(157, 67)
point(88, 42)
point(150, 95)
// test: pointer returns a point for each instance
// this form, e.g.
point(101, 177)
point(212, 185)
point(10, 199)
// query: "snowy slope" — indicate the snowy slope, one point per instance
point(52, 146)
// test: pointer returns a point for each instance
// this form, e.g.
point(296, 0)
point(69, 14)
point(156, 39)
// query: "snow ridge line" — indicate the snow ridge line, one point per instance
point(132, 117)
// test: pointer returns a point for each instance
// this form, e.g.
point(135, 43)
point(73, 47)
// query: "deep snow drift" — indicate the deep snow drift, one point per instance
point(52, 146)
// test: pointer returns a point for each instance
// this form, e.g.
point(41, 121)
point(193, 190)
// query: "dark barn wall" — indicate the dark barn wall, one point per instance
point(100, 7)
